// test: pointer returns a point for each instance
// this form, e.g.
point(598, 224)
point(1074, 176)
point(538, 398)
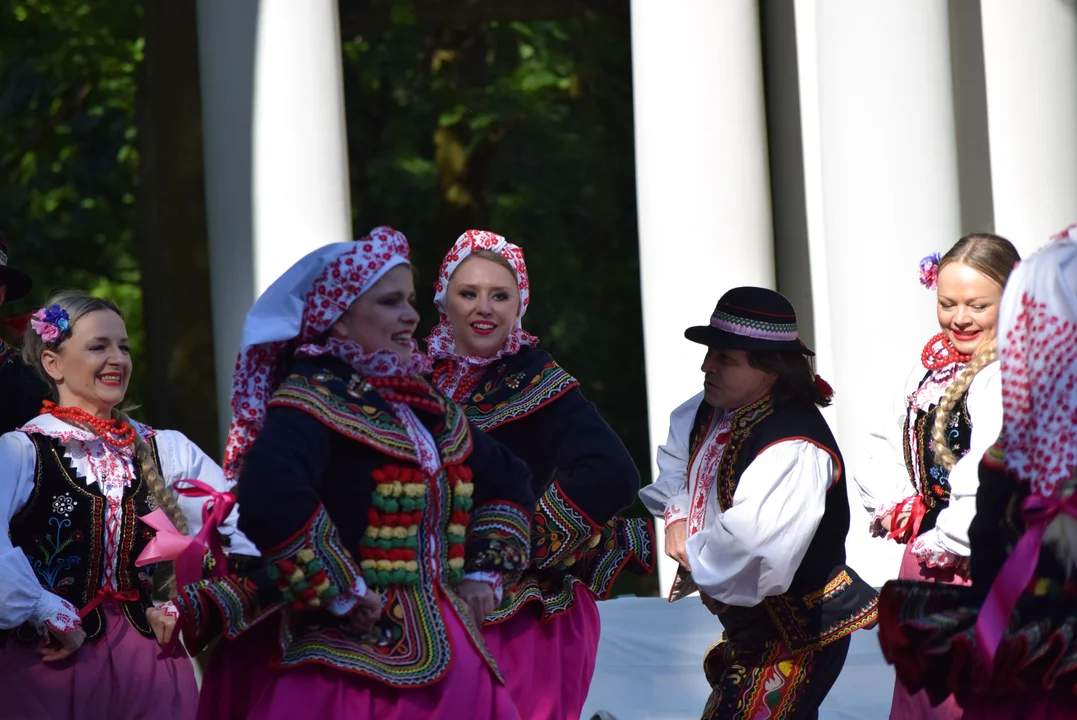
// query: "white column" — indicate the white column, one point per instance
point(703, 192)
point(888, 164)
point(276, 151)
point(1030, 65)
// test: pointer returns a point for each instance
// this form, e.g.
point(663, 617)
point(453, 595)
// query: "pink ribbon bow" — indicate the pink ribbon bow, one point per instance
point(1016, 573)
point(170, 544)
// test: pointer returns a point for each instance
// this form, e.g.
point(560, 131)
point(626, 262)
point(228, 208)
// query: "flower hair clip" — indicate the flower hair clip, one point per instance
point(50, 323)
point(929, 271)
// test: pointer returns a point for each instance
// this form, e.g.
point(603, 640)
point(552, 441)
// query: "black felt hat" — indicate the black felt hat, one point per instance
point(18, 283)
point(751, 318)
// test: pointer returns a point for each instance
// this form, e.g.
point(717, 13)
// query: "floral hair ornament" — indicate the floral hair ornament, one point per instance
point(50, 323)
point(929, 271)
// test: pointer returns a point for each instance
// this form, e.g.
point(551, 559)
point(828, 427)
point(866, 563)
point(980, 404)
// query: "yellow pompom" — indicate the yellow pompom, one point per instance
point(570, 560)
point(465, 489)
point(595, 539)
point(314, 602)
point(400, 532)
point(385, 565)
point(367, 564)
point(411, 566)
point(385, 489)
point(296, 576)
point(413, 530)
point(322, 586)
point(398, 488)
point(456, 563)
point(305, 556)
point(385, 533)
point(398, 564)
point(371, 531)
point(455, 529)
point(414, 490)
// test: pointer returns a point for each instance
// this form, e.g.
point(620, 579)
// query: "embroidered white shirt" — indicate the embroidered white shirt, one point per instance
point(24, 593)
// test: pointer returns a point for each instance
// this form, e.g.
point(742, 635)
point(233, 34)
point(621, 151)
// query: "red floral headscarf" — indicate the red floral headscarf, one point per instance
point(441, 343)
point(1037, 337)
point(296, 311)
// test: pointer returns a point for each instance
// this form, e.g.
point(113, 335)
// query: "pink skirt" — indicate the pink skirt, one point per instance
point(468, 690)
point(1031, 708)
point(918, 707)
point(548, 665)
point(238, 672)
point(117, 678)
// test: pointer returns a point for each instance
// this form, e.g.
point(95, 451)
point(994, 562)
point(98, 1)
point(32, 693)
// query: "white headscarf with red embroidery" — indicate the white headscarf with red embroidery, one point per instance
point(441, 343)
point(295, 312)
point(1037, 337)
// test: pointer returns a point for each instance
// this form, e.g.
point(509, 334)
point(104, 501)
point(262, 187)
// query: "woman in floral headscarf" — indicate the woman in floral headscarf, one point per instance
point(920, 483)
point(1006, 647)
point(545, 634)
point(386, 524)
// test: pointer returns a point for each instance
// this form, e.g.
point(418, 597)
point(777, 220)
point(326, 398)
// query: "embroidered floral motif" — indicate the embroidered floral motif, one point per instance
point(62, 621)
point(52, 563)
point(63, 504)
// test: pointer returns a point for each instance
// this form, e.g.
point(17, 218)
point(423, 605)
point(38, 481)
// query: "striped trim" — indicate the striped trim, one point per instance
point(558, 529)
point(551, 383)
point(760, 329)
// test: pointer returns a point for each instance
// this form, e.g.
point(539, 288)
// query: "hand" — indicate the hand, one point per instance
point(162, 624)
point(900, 525)
point(676, 533)
point(479, 598)
point(365, 613)
point(713, 605)
point(70, 642)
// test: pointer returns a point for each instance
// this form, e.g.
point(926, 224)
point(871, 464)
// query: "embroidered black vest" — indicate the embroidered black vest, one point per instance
point(935, 479)
point(826, 600)
point(62, 532)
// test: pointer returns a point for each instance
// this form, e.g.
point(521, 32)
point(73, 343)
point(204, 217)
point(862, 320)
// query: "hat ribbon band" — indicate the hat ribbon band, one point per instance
point(760, 331)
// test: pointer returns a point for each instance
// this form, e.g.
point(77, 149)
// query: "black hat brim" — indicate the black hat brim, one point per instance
point(18, 283)
point(722, 340)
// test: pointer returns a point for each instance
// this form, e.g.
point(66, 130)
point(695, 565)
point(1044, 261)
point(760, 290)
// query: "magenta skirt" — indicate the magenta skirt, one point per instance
point(548, 665)
point(918, 707)
point(468, 690)
point(238, 672)
point(117, 678)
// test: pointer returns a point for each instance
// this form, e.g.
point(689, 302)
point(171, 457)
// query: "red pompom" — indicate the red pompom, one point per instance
point(824, 387)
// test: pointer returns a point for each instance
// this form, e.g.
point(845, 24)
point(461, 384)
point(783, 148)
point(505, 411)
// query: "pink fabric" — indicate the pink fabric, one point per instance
point(1026, 708)
point(238, 673)
point(917, 707)
point(548, 665)
point(119, 678)
point(468, 690)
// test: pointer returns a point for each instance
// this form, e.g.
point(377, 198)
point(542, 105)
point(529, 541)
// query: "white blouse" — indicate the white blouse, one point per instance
point(753, 549)
point(23, 595)
point(884, 482)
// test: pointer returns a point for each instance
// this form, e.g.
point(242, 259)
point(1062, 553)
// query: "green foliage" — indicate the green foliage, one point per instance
point(68, 165)
point(523, 128)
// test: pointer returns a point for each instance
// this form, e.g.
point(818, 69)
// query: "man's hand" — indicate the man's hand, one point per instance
point(479, 598)
point(676, 533)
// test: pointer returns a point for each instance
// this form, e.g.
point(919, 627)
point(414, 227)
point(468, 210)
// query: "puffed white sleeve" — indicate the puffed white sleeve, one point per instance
point(22, 597)
point(667, 496)
point(752, 550)
point(881, 477)
point(181, 459)
point(949, 539)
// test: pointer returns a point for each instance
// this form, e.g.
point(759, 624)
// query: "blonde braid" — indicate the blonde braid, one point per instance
point(944, 456)
point(165, 498)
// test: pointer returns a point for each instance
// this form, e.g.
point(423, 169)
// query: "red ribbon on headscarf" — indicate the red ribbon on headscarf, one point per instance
point(1016, 573)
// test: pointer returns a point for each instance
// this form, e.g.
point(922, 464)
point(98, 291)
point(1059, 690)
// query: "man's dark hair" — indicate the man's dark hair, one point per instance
point(796, 377)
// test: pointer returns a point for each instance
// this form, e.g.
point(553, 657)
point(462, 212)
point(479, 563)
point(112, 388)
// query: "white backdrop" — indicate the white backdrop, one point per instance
point(650, 665)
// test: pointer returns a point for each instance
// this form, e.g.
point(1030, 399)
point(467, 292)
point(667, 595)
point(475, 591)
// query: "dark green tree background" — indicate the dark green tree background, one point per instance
point(509, 116)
